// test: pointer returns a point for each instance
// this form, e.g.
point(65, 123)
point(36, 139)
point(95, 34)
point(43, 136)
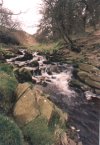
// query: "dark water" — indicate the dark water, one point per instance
point(83, 114)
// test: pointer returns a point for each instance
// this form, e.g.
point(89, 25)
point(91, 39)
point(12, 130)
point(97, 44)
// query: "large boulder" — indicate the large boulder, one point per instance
point(26, 108)
point(31, 103)
point(89, 79)
point(41, 120)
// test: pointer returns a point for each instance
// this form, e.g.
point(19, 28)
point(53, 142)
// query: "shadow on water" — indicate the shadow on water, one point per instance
point(83, 114)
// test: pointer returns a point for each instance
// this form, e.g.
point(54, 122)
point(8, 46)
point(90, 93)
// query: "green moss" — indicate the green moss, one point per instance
point(10, 134)
point(38, 133)
point(57, 120)
point(8, 85)
point(46, 47)
point(7, 68)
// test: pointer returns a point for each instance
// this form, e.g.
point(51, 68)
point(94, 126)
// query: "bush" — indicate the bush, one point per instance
point(38, 133)
point(8, 85)
point(10, 134)
point(8, 38)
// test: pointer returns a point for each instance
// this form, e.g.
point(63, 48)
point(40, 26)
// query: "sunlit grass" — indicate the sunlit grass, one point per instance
point(45, 47)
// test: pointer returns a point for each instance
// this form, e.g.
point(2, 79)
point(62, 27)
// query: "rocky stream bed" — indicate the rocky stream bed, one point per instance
point(75, 90)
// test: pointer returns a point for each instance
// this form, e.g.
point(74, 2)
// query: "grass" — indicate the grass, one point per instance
point(46, 47)
point(8, 84)
point(10, 134)
point(38, 133)
point(6, 68)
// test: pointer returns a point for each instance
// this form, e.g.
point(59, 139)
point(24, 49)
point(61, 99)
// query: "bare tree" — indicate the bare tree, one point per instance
point(6, 19)
point(64, 17)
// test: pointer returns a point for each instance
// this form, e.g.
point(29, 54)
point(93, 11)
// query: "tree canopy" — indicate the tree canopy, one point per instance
point(64, 17)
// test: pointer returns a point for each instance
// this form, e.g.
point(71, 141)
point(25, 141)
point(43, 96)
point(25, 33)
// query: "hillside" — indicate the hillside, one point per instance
point(16, 37)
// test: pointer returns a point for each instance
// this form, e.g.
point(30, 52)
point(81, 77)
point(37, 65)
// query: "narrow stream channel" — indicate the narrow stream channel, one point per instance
point(54, 79)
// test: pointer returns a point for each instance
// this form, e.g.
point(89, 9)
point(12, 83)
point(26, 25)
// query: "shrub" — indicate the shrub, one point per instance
point(38, 133)
point(8, 38)
point(10, 134)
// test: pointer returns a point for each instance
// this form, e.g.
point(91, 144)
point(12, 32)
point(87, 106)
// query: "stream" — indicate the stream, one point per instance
point(54, 79)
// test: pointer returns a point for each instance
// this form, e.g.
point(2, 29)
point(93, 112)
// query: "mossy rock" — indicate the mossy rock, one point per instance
point(26, 108)
point(89, 79)
point(21, 89)
point(89, 68)
point(45, 107)
point(10, 134)
point(78, 84)
point(92, 83)
point(82, 75)
point(23, 75)
point(8, 86)
point(97, 91)
point(9, 54)
point(95, 77)
point(37, 132)
point(58, 119)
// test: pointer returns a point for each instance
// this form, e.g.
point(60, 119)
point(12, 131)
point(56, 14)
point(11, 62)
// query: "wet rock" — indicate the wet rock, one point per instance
point(95, 77)
point(89, 68)
point(23, 75)
point(2, 58)
point(82, 75)
point(88, 79)
point(27, 56)
point(37, 72)
point(34, 64)
point(53, 68)
point(97, 91)
point(78, 84)
point(92, 83)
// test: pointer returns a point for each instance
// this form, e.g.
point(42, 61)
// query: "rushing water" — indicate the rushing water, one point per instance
point(54, 79)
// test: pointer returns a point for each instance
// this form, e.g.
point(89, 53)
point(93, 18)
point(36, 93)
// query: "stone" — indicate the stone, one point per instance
point(2, 58)
point(97, 91)
point(89, 68)
point(87, 78)
point(44, 105)
point(95, 77)
point(31, 103)
point(78, 84)
point(23, 75)
point(21, 89)
point(26, 109)
point(64, 139)
point(34, 64)
point(82, 75)
point(27, 56)
point(92, 83)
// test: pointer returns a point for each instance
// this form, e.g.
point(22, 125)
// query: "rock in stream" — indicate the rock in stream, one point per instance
point(54, 79)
